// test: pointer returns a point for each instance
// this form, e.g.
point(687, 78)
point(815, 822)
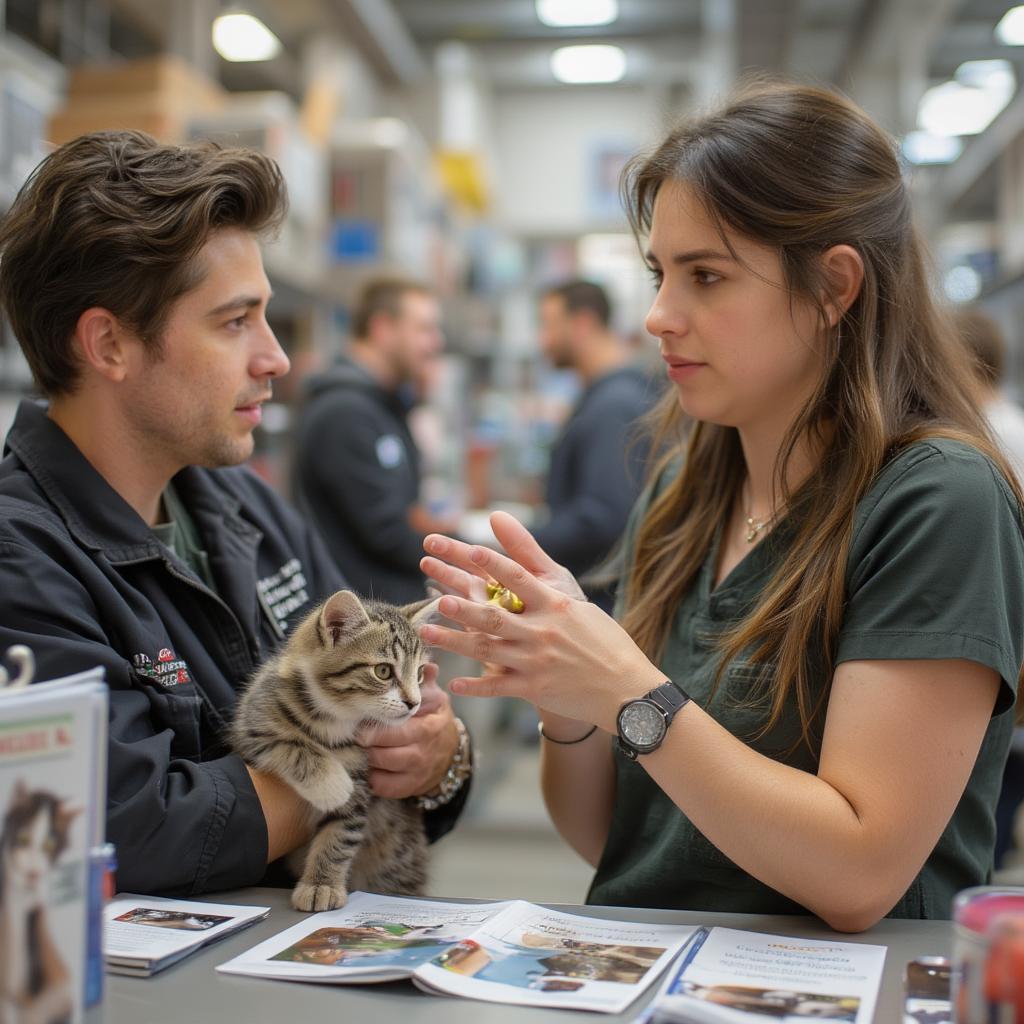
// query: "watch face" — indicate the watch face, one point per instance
point(642, 724)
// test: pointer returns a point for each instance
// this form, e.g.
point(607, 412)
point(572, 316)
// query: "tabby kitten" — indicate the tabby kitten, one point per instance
point(348, 663)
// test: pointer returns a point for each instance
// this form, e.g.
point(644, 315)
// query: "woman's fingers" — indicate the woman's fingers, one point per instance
point(484, 562)
point(485, 618)
point(480, 647)
point(520, 544)
point(502, 684)
point(453, 578)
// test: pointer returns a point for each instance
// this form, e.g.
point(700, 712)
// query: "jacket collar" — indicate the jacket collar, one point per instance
point(95, 514)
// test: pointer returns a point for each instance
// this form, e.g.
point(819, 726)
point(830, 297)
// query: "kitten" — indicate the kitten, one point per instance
point(35, 984)
point(347, 664)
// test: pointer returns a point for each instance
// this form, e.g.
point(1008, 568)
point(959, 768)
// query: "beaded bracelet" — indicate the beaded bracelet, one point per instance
point(564, 743)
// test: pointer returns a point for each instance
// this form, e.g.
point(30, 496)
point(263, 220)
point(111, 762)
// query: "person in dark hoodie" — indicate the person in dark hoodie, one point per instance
point(356, 465)
point(596, 465)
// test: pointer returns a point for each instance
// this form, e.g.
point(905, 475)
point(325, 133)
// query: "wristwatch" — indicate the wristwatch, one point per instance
point(643, 722)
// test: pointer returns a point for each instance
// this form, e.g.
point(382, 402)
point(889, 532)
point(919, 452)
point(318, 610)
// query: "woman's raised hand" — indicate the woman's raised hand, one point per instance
point(561, 653)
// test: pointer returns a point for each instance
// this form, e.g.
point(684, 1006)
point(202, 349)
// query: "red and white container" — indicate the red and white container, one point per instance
point(988, 955)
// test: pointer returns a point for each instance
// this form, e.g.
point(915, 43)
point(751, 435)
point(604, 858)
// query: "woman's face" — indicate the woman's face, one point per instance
point(738, 349)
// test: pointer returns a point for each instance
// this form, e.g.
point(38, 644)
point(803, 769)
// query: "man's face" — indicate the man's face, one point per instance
point(555, 336)
point(417, 341)
point(198, 401)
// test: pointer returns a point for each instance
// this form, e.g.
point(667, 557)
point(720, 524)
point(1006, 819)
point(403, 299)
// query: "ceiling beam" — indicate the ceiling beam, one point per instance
point(375, 28)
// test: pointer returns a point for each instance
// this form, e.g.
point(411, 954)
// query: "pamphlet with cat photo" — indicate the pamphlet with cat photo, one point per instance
point(145, 934)
point(740, 977)
point(512, 952)
point(52, 749)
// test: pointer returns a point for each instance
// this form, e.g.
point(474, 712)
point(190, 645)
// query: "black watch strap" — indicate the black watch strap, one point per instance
point(670, 698)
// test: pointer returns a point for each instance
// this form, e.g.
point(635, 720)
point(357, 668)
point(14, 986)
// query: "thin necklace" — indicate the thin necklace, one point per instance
point(756, 526)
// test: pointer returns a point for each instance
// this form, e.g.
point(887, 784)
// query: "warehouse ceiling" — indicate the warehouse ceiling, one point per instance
point(843, 41)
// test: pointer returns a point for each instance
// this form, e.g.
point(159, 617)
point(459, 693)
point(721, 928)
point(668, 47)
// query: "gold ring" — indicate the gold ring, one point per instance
point(504, 598)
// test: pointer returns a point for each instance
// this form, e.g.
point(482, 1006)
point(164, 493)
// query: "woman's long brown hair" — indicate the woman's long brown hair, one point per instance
point(800, 169)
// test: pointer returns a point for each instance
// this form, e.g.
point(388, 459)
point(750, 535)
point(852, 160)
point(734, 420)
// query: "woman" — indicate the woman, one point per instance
point(830, 562)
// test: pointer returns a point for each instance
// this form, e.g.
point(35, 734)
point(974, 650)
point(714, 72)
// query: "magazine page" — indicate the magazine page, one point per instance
point(145, 930)
point(745, 977)
point(48, 766)
point(372, 938)
point(537, 957)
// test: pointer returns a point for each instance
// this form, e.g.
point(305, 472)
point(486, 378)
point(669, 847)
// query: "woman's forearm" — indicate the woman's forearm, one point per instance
point(578, 783)
point(847, 842)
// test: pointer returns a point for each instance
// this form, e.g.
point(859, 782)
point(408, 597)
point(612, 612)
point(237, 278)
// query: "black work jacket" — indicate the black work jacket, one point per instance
point(84, 582)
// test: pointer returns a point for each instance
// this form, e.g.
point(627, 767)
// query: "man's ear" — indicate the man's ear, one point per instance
point(104, 344)
point(844, 268)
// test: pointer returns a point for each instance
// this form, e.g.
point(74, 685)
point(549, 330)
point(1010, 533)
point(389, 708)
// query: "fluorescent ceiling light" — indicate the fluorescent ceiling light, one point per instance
point(925, 148)
point(565, 13)
point(579, 65)
point(241, 37)
point(1010, 29)
point(970, 102)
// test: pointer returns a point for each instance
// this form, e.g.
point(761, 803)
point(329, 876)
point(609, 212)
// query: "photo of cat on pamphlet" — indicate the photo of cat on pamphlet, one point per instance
point(390, 943)
point(545, 962)
point(35, 982)
point(171, 919)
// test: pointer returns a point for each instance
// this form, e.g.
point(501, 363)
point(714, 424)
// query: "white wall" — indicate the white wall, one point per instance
point(545, 143)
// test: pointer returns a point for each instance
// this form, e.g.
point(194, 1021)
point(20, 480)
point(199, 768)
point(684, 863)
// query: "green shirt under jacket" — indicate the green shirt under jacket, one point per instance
point(936, 570)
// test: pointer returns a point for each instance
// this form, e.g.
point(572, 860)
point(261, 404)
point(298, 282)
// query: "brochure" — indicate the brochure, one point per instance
point(145, 934)
point(511, 952)
point(52, 802)
point(725, 975)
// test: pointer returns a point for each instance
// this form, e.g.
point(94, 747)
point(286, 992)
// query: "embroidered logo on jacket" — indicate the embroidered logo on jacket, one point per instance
point(284, 591)
point(168, 669)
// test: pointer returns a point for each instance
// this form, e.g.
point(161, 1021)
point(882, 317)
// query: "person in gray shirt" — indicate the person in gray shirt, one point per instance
point(597, 463)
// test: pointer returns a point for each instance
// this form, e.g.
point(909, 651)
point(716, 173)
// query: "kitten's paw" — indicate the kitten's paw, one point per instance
point(319, 897)
point(330, 792)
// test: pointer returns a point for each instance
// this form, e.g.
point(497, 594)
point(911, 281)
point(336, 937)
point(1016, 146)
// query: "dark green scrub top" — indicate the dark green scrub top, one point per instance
point(936, 570)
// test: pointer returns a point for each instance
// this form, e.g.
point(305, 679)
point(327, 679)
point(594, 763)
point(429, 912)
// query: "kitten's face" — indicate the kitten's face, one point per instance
point(34, 835)
point(371, 661)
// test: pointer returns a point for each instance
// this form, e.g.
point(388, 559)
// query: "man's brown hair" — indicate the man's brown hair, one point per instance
point(382, 295)
point(115, 220)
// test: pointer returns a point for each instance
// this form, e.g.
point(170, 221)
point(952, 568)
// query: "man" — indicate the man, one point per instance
point(356, 470)
point(597, 463)
point(130, 536)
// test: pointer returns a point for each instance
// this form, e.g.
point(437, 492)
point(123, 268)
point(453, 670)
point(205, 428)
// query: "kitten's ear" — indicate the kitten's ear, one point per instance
point(422, 612)
point(342, 615)
point(20, 792)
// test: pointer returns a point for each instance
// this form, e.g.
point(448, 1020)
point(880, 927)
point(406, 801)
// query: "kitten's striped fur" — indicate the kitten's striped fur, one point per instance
point(348, 663)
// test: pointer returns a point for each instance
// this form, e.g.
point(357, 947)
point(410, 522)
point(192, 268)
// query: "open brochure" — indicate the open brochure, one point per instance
point(52, 803)
point(745, 977)
point(510, 952)
point(145, 934)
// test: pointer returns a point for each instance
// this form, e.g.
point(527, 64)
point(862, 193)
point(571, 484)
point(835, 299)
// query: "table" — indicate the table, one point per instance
point(192, 991)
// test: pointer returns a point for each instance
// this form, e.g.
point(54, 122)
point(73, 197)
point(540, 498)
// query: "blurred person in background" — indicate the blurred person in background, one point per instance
point(985, 342)
point(597, 463)
point(356, 465)
point(813, 683)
